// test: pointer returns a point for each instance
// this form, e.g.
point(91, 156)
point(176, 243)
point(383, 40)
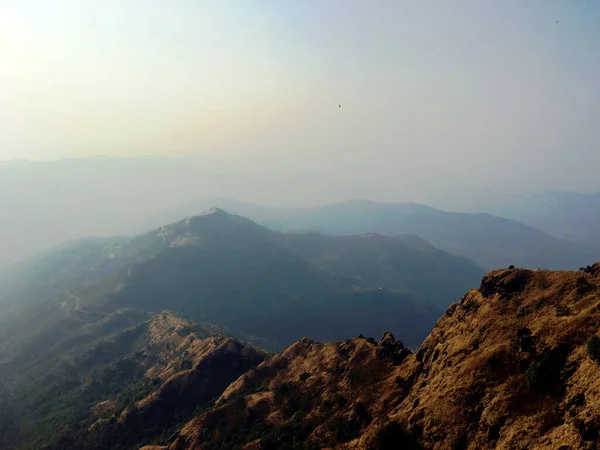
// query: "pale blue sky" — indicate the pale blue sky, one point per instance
point(445, 91)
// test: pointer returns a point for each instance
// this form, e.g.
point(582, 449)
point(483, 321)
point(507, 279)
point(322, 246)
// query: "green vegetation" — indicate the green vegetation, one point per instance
point(70, 367)
point(533, 376)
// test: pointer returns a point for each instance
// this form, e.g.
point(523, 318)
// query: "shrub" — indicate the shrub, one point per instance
point(291, 436)
point(289, 395)
point(593, 348)
point(183, 332)
point(544, 374)
point(285, 390)
point(582, 286)
point(340, 400)
point(400, 381)
point(342, 429)
point(562, 311)
point(392, 437)
point(532, 376)
point(304, 376)
point(354, 376)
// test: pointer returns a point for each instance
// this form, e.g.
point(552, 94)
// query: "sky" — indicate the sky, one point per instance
point(476, 92)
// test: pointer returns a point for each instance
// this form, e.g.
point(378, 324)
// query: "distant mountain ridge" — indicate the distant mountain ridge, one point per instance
point(76, 198)
point(568, 215)
point(487, 240)
point(574, 216)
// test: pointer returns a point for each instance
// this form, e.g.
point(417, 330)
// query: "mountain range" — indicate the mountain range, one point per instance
point(489, 241)
point(270, 288)
point(574, 216)
point(77, 198)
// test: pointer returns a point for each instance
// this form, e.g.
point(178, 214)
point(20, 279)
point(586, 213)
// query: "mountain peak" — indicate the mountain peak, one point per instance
point(212, 219)
point(213, 211)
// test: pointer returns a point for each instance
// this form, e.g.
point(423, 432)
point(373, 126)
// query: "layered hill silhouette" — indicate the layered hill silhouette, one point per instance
point(568, 215)
point(266, 287)
point(488, 240)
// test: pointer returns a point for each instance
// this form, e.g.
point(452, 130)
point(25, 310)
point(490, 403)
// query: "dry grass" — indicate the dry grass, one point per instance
point(470, 386)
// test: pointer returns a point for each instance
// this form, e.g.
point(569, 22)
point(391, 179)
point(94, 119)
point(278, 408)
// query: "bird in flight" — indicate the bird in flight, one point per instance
point(557, 21)
point(339, 106)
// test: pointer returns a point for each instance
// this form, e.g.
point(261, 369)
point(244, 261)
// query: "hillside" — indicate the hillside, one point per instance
point(382, 261)
point(489, 241)
point(567, 215)
point(514, 364)
point(80, 365)
point(72, 264)
point(262, 286)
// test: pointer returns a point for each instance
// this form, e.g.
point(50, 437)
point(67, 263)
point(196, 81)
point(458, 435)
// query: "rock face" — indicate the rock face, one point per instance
point(189, 368)
point(222, 360)
point(508, 366)
point(319, 394)
point(505, 282)
point(391, 350)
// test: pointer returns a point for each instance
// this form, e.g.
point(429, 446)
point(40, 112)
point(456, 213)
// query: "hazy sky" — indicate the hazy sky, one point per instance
point(489, 92)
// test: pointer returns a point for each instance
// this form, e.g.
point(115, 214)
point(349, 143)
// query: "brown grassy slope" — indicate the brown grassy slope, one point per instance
point(506, 367)
point(190, 367)
point(322, 393)
point(217, 362)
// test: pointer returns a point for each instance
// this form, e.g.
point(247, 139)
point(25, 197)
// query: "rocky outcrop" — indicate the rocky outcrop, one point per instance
point(214, 363)
point(225, 360)
point(505, 282)
point(391, 350)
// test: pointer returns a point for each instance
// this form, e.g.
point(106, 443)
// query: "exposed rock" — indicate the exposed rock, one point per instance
point(391, 350)
point(505, 282)
point(215, 363)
